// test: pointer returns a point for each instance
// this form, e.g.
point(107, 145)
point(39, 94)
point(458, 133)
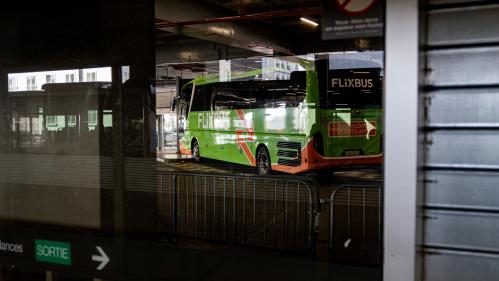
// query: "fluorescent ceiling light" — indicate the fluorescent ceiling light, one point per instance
point(310, 22)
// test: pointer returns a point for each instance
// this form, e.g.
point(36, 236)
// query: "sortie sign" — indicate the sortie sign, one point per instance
point(344, 19)
point(53, 252)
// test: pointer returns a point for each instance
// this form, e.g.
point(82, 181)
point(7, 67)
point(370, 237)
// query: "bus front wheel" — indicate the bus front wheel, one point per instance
point(195, 151)
point(263, 164)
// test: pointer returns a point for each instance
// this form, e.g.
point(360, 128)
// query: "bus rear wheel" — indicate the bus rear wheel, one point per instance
point(263, 164)
point(195, 151)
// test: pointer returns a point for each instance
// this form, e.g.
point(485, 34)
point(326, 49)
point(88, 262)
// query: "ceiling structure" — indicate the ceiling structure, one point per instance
point(194, 31)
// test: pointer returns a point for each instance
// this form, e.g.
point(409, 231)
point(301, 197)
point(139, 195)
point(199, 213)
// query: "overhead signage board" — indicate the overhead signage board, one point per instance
point(346, 19)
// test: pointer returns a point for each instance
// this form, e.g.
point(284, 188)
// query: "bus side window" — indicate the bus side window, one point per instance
point(288, 96)
point(221, 100)
point(262, 96)
point(241, 97)
point(231, 97)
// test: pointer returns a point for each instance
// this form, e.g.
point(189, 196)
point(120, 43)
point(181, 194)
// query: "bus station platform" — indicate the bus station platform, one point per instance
point(169, 154)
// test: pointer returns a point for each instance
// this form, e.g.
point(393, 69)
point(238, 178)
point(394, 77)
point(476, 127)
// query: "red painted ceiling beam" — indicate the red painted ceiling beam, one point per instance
point(259, 16)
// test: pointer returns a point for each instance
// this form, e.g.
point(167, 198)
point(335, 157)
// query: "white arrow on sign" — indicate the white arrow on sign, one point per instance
point(103, 258)
point(369, 128)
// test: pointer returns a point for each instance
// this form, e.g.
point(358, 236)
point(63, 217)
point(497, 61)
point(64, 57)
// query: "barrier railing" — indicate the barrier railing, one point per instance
point(355, 227)
point(275, 213)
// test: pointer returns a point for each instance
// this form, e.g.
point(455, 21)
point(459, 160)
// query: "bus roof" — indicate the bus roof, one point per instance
point(37, 93)
point(83, 88)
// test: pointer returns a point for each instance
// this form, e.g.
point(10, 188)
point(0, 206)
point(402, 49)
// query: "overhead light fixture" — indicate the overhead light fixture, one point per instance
point(310, 22)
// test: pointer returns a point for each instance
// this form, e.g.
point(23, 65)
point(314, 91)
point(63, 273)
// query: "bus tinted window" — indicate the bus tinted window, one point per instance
point(262, 95)
point(221, 100)
point(250, 94)
point(231, 97)
point(288, 96)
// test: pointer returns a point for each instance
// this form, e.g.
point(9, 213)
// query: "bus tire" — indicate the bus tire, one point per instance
point(195, 151)
point(263, 163)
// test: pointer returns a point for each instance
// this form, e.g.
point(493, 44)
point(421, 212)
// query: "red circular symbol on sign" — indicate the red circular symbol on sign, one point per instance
point(355, 7)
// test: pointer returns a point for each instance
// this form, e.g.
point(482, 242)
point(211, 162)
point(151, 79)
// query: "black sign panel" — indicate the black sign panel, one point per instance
point(91, 256)
point(344, 19)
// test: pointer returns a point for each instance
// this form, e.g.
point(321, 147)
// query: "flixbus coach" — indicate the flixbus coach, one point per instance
point(320, 118)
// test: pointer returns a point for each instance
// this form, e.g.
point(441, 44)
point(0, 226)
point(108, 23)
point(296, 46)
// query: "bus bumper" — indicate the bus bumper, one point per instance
point(184, 150)
point(312, 160)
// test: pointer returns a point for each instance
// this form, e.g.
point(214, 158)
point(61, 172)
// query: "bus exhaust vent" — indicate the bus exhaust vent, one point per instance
point(289, 153)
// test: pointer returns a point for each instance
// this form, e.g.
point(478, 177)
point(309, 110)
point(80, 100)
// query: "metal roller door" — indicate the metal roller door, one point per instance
point(461, 141)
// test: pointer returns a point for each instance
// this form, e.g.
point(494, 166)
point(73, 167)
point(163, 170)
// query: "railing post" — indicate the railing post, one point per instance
point(174, 204)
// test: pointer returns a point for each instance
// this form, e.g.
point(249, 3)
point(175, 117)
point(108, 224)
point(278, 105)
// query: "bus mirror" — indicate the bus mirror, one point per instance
point(173, 103)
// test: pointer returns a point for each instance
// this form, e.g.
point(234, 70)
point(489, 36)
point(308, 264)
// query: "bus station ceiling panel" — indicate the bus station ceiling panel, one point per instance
point(258, 37)
point(241, 29)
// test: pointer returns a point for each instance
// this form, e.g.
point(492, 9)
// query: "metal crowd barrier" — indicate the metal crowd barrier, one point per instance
point(355, 233)
point(265, 212)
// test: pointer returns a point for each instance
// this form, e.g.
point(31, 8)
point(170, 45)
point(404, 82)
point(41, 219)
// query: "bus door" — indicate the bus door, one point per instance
point(180, 104)
point(200, 118)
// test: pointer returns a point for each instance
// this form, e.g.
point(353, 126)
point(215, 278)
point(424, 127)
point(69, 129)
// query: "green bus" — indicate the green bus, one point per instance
point(318, 119)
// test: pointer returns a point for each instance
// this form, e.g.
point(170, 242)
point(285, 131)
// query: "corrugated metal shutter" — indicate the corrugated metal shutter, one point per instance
point(461, 201)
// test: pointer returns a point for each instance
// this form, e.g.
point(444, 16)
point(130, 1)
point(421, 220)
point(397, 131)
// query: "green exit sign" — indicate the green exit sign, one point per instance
point(53, 252)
